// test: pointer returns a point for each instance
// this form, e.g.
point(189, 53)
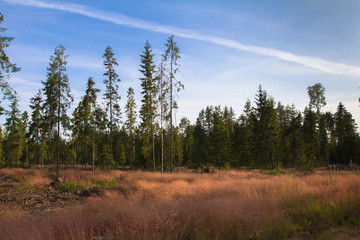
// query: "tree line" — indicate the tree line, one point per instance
point(266, 135)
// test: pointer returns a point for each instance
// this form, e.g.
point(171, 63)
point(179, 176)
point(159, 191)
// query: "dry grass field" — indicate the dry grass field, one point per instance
point(142, 205)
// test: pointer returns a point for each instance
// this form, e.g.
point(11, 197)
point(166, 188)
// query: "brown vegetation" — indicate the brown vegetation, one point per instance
point(143, 205)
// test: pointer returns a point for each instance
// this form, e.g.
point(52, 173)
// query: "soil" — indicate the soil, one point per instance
point(46, 198)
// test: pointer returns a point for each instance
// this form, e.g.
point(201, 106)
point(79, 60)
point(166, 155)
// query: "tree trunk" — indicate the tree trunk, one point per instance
point(171, 123)
point(161, 122)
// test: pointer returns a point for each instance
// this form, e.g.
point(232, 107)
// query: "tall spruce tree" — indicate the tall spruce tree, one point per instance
point(171, 58)
point(111, 95)
point(345, 132)
point(149, 103)
point(265, 131)
point(58, 98)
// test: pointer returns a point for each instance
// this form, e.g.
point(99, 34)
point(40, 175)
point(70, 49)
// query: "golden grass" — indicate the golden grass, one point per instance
point(144, 205)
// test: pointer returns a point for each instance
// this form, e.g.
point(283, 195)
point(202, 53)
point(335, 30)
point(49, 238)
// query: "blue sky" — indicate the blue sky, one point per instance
point(228, 48)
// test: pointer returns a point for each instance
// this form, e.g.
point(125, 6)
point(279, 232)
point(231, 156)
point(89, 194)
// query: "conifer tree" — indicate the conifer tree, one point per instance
point(90, 104)
point(171, 58)
point(345, 132)
point(265, 131)
point(111, 95)
point(130, 110)
point(35, 124)
point(14, 133)
point(58, 98)
point(219, 143)
point(6, 66)
point(149, 103)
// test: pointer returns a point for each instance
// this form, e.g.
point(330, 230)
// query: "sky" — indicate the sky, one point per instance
point(227, 48)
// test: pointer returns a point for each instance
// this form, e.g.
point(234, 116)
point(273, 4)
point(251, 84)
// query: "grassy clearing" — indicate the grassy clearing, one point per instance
point(223, 205)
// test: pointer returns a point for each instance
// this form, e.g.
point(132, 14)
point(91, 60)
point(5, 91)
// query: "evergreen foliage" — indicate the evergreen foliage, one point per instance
point(111, 95)
point(266, 135)
point(148, 109)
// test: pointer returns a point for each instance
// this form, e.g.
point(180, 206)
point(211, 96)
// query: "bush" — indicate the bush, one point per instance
point(72, 186)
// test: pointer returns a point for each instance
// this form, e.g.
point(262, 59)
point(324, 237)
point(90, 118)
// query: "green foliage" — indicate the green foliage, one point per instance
point(149, 103)
point(105, 183)
point(13, 144)
point(277, 171)
point(24, 185)
point(111, 95)
point(308, 214)
point(6, 67)
point(73, 186)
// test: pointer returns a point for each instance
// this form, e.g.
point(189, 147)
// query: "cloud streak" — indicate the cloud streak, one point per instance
point(320, 64)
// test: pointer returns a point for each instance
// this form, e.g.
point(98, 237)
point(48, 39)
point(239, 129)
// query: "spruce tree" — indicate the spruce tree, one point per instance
point(149, 103)
point(111, 95)
point(58, 98)
point(13, 143)
point(130, 124)
point(265, 131)
point(35, 124)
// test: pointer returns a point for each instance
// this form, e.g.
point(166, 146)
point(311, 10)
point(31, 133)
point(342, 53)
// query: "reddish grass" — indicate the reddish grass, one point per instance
point(233, 204)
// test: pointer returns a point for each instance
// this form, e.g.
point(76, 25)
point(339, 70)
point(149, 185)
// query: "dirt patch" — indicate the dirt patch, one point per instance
point(44, 200)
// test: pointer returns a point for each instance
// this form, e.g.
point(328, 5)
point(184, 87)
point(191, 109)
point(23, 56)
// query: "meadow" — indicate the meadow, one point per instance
point(118, 204)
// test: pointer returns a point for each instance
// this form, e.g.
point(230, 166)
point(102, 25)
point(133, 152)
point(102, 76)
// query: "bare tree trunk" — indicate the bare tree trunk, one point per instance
point(58, 136)
point(93, 152)
point(171, 106)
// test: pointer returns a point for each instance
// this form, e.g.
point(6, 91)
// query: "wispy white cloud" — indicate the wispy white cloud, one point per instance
point(320, 64)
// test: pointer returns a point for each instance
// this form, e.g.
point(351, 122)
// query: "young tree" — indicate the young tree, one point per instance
point(6, 66)
point(148, 107)
point(111, 96)
point(35, 124)
point(130, 110)
point(13, 143)
point(83, 121)
point(58, 98)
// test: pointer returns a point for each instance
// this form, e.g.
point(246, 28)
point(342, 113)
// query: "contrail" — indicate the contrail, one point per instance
point(308, 61)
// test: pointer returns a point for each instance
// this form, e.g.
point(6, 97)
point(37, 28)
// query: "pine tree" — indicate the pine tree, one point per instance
point(6, 66)
point(58, 98)
point(171, 57)
point(130, 110)
point(163, 90)
point(111, 96)
point(149, 103)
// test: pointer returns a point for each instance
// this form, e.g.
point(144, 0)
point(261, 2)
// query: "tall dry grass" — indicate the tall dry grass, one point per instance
point(225, 205)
